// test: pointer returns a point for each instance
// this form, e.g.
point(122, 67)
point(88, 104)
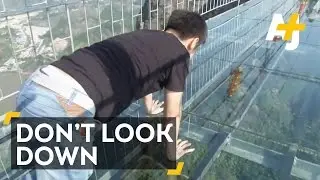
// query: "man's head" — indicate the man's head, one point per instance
point(189, 27)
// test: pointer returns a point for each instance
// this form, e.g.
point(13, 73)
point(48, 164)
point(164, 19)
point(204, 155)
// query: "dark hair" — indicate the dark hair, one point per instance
point(188, 24)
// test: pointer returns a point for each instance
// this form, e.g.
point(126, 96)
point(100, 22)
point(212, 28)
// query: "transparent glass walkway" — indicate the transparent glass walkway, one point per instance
point(267, 129)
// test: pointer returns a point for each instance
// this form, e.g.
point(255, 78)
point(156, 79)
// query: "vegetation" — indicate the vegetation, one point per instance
point(231, 167)
point(191, 162)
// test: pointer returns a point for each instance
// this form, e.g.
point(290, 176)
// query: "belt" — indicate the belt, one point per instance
point(72, 94)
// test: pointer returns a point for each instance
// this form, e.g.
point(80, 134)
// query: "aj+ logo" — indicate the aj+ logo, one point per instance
point(289, 31)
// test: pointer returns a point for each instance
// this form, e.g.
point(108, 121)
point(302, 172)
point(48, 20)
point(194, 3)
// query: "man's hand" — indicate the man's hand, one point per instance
point(155, 108)
point(178, 149)
point(183, 148)
point(152, 107)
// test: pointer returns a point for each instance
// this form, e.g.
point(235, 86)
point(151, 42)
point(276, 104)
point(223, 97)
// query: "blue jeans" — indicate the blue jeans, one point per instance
point(37, 101)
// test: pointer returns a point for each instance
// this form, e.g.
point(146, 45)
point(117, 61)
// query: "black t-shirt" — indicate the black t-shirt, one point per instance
point(127, 67)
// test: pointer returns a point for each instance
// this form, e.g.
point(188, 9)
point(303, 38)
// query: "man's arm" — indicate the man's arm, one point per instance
point(174, 88)
point(148, 103)
point(173, 107)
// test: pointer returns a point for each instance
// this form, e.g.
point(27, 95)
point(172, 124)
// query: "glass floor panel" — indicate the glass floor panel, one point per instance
point(272, 115)
point(232, 167)
point(277, 107)
point(5, 158)
point(190, 164)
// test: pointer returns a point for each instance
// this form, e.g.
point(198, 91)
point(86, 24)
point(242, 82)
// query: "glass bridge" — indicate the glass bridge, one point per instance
point(267, 127)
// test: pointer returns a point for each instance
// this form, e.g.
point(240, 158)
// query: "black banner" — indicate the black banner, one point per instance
point(84, 143)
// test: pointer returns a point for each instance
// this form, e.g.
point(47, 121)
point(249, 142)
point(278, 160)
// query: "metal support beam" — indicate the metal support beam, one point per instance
point(216, 145)
point(275, 160)
point(306, 170)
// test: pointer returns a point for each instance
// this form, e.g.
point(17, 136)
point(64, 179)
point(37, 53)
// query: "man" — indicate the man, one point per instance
point(103, 79)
